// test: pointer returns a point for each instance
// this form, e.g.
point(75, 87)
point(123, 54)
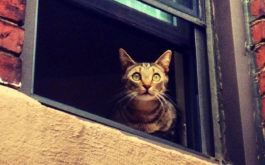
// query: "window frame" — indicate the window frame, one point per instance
point(199, 21)
point(203, 34)
point(191, 11)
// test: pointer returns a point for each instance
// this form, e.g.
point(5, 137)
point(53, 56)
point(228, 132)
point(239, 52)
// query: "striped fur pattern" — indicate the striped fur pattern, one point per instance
point(144, 105)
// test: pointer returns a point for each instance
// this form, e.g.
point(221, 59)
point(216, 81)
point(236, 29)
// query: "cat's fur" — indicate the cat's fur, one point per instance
point(146, 107)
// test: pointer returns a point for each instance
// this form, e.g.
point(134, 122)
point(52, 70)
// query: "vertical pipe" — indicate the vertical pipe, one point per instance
point(257, 99)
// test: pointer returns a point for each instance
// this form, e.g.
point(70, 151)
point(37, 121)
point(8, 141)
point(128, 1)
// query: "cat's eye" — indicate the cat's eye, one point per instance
point(136, 76)
point(156, 77)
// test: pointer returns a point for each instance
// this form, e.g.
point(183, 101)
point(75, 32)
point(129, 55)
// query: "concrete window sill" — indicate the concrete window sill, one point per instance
point(34, 134)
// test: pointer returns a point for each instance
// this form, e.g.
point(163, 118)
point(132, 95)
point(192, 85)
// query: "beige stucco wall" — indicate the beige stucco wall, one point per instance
point(31, 133)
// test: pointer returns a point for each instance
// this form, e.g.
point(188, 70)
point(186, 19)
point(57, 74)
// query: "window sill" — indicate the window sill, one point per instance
point(51, 136)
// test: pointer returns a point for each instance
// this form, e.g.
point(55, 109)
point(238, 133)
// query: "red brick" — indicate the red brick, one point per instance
point(11, 37)
point(13, 9)
point(257, 8)
point(260, 57)
point(258, 31)
point(10, 70)
point(262, 83)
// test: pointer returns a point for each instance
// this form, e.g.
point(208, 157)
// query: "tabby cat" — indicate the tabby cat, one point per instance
point(146, 107)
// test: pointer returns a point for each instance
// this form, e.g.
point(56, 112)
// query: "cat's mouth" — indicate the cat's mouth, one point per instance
point(145, 93)
point(145, 96)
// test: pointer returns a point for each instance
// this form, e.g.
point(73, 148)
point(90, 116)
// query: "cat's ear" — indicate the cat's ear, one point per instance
point(164, 60)
point(125, 59)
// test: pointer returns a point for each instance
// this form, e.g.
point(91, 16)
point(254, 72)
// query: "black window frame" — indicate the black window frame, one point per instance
point(204, 64)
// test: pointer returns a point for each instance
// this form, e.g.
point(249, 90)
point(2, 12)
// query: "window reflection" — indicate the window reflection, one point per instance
point(149, 10)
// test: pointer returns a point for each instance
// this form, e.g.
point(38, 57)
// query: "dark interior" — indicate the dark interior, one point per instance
point(77, 60)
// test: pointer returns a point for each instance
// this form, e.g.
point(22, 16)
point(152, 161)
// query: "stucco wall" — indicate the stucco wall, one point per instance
point(34, 134)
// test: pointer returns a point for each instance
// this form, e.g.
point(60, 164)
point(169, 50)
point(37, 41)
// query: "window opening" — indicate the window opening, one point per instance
point(77, 68)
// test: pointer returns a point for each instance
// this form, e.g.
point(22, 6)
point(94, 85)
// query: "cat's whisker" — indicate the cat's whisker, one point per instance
point(129, 95)
point(125, 96)
point(166, 95)
point(169, 99)
point(161, 100)
point(161, 103)
point(132, 96)
point(119, 94)
point(121, 99)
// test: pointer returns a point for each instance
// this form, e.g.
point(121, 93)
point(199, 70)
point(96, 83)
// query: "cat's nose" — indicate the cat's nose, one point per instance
point(147, 86)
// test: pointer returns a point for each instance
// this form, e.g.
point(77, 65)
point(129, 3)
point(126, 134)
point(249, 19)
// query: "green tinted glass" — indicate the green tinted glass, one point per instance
point(187, 3)
point(149, 10)
point(190, 7)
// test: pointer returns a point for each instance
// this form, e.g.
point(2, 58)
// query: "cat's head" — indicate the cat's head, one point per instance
point(145, 81)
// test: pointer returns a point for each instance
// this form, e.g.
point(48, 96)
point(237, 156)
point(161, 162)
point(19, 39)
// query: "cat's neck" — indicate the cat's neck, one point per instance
point(144, 105)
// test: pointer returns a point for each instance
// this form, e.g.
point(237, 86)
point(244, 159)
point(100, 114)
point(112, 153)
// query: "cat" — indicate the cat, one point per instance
point(146, 107)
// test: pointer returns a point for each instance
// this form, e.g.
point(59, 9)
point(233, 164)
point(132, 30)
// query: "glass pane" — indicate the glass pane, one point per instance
point(149, 10)
point(186, 6)
point(187, 3)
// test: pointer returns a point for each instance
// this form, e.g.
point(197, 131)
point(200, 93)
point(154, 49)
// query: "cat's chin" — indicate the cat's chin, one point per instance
point(145, 97)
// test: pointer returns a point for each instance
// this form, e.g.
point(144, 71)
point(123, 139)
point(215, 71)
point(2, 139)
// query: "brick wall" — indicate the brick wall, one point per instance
point(12, 13)
point(258, 35)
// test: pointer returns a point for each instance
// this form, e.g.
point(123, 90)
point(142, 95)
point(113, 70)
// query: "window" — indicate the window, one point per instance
point(75, 64)
point(187, 6)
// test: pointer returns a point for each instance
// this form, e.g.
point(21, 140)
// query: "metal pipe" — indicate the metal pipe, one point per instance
point(253, 73)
